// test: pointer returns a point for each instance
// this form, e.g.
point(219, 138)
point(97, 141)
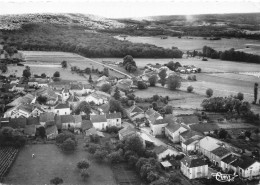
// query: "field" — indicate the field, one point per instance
point(50, 162)
point(193, 43)
point(40, 58)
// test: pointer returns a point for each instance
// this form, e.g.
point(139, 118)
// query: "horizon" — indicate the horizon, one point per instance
point(129, 9)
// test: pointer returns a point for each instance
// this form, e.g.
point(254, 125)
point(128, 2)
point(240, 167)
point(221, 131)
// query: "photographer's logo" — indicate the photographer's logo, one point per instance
point(224, 177)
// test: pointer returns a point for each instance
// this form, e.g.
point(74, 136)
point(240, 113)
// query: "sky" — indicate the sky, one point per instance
point(129, 8)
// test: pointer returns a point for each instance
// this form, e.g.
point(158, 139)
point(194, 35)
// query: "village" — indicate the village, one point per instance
point(39, 109)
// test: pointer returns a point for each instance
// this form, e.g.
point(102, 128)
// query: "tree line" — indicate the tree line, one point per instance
point(51, 37)
point(230, 55)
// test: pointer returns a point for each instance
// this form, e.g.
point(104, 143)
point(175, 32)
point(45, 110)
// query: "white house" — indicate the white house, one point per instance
point(248, 168)
point(162, 152)
point(158, 127)
point(173, 131)
point(62, 109)
point(194, 167)
point(99, 121)
point(189, 145)
point(114, 119)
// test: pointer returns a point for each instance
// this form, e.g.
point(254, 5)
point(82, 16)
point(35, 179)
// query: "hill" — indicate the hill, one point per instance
point(14, 22)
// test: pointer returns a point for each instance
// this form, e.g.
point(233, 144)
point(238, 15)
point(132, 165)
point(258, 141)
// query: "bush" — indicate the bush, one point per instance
point(190, 89)
point(83, 164)
point(153, 80)
point(141, 85)
point(94, 138)
point(240, 96)
point(115, 157)
point(68, 145)
point(56, 74)
point(64, 136)
point(92, 148)
point(174, 82)
point(209, 92)
point(106, 88)
point(112, 129)
point(56, 181)
point(100, 155)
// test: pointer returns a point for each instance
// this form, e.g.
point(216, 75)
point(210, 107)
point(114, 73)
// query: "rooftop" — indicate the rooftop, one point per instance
point(160, 149)
point(114, 115)
point(229, 159)
point(98, 118)
point(30, 130)
point(127, 131)
point(193, 162)
point(62, 106)
point(220, 151)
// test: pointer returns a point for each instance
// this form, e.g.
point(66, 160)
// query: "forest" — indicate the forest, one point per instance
point(230, 55)
point(89, 43)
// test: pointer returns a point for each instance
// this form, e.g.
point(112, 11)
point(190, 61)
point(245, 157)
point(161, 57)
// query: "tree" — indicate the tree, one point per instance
point(117, 94)
point(162, 74)
point(168, 109)
point(64, 64)
point(43, 75)
point(132, 160)
point(92, 148)
point(171, 65)
point(174, 179)
point(240, 96)
point(141, 85)
point(41, 99)
point(100, 155)
point(56, 181)
point(90, 79)
point(160, 181)
point(56, 74)
point(83, 164)
point(222, 134)
point(26, 73)
point(156, 97)
point(115, 157)
point(94, 138)
point(106, 71)
point(135, 144)
point(153, 80)
point(255, 92)
point(83, 107)
point(152, 176)
point(68, 145)
point(42, 132)
point(3, 68)
point(115, 105)
point(64, 136)
point(174, 82)
point(84, 174)
point(248, 133)
point(189, 89)
point(106, 88)
point(209, 92)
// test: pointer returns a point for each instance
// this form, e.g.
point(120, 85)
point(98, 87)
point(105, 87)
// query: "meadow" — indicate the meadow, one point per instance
point(50, 162)
point(192, 43)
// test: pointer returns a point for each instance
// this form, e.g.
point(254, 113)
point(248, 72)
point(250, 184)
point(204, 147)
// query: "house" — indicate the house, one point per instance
point(205, 128)
point(162, 152)
point(189, 145)
point(30, 130)
point(4, 122)
point(158, 127)
point(62, 109)
point(79, 89)
point(135, 112)
point(248, 168)
point(65, 121)
point(98, 99)
point(226, 162)
point(194, 167)
point(99, 121)
point(22, 110)
point(207, 145)
point(126, 132)
point(32, 82)
point(181, 70)
point(114, 119)
point(43, 83)
point(166, 165)
point(37, 110)
point(77, 123)
point(150, 112)
point(155, 67)
point(47, 118)
point(93, 131)
point(52, 97)
point(21, 87)
point(173, 131)
point(27, 99)
point(73, 101)
point(190, 134)
point(218, 154)
point(51, 132)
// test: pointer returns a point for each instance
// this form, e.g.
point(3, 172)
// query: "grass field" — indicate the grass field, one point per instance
point(50, 162)
point(50, 57)
point(192, 43)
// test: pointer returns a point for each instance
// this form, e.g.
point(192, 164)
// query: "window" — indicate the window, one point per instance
point(117, 120)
